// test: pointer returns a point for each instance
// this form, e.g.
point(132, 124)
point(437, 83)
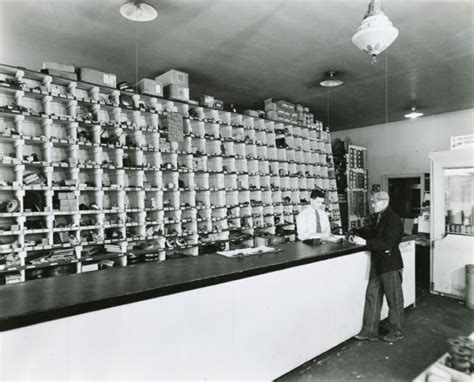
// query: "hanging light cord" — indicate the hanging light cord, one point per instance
point(386, 86)
point(327, 109)
point(136, 59)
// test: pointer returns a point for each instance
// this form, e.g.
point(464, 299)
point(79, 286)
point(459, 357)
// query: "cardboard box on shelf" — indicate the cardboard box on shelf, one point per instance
point(285, 105)
point(150, 87)
point(60, 73)
point(271, 106)
point(206, 101)
point(272, 114)
point(59, 67)
point(62, 195)
point(173, 77)
point(177, 92)
point(252, 113)
point(97, 77)
point(279, 115)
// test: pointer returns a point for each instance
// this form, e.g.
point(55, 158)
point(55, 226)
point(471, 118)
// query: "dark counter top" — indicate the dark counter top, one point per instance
point(57, 297)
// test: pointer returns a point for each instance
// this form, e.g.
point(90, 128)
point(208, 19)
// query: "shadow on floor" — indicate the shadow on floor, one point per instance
point(428, 326)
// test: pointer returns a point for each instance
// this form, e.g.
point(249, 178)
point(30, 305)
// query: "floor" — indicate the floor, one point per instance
point(428, 326)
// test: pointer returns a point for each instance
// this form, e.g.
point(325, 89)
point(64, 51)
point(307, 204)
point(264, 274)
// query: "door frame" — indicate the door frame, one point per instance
point(441, 160)
point(420, 175)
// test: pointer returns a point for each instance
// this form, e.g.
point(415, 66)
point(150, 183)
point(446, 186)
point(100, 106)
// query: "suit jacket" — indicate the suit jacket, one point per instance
point(383, 239)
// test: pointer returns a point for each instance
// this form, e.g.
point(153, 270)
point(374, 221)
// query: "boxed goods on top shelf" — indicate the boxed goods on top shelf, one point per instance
point(97, 77)
point(284, 111)
point(173, 77)
point(150, 87)
point(61, 70)
point(176, 84)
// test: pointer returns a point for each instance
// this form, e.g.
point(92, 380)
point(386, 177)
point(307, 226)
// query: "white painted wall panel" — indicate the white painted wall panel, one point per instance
point(403, 147)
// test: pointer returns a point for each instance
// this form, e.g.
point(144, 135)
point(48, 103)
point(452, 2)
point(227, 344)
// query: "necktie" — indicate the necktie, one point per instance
point(318, 221)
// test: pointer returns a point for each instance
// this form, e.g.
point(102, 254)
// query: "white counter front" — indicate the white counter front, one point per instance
point(258, 327)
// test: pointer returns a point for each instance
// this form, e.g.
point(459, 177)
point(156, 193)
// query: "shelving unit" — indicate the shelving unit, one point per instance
point(97, 181)
point(357, 187)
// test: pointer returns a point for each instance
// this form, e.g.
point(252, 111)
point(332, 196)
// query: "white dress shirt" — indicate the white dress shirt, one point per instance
point(306, 224)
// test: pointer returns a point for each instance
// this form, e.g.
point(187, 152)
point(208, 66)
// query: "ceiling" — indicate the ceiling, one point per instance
point(243, 51)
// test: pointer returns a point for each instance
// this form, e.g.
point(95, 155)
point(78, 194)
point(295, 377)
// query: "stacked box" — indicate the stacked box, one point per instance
point(59, 67)
point(177, 92)
point(287, 112)
point(284, 105)
point(67, 201)
point(59, 73)
point(150, 87)
point(60, 70)
point(176, 84)
point(97, 77)
point(294, 118)
point(252, 113)
point(304, 117)
point(173, 77)
point(206, 101)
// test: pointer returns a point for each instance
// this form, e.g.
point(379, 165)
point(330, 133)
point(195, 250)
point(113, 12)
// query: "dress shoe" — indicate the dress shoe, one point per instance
point(392, 337)
point(366, 337)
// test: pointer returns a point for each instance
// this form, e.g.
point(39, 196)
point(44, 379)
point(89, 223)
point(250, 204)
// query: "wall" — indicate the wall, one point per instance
point(403, 147)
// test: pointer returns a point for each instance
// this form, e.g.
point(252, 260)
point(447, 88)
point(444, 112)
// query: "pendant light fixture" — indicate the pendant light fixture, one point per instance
point(331, 82)
point(414, 114)
point(138, 11)
point(376, 33)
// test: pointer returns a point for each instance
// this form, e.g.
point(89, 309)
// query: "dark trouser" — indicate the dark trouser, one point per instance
point(390, 285)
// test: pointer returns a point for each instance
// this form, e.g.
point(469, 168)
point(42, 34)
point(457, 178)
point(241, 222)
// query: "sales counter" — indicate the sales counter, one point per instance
point(206, 317)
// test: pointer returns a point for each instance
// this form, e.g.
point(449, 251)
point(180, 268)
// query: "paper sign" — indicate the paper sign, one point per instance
point(173, 122)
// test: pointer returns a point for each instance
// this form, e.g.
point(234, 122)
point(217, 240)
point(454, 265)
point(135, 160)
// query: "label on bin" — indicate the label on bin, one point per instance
point(109, 79)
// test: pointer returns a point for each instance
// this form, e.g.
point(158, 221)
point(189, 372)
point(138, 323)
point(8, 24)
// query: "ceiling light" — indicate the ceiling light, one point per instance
point(413, 114)
point(376, 33)
point(331, 82)
point(138, 11)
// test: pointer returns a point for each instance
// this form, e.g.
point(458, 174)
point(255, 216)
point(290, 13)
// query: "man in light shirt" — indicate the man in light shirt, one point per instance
point(313, 222)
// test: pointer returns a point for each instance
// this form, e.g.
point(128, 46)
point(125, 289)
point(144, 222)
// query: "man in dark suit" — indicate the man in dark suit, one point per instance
point(382, 238)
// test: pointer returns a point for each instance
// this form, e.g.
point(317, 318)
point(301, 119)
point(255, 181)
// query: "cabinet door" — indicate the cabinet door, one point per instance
point(452, 222)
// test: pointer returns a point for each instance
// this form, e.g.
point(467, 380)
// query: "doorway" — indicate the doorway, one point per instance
point(405, 196)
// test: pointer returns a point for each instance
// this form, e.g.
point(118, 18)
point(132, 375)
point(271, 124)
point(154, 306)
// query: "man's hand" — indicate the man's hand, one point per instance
point(357, 240)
